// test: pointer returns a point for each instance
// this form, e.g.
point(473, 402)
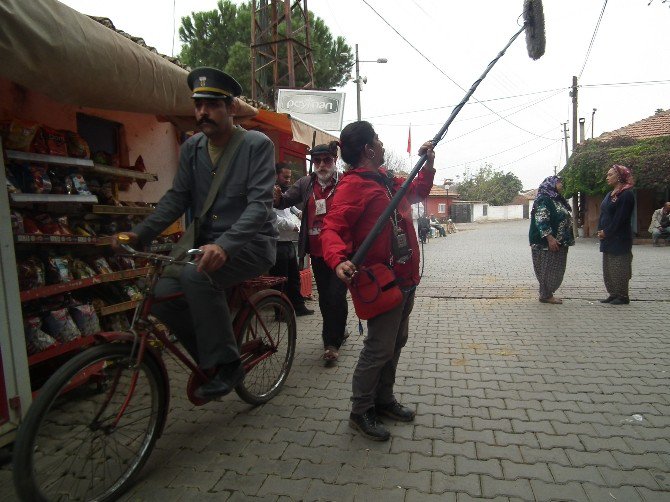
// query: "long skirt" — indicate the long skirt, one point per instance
point(617, 271)
point(549, 269)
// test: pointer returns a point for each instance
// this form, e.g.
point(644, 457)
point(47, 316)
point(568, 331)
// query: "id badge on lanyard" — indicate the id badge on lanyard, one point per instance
point(320, 206)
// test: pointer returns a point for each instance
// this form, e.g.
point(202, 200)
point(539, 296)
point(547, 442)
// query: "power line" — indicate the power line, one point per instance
point(441, 71)
point(593, 38)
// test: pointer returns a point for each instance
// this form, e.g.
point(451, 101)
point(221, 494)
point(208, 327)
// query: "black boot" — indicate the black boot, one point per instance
point(620, 300)
point(369, 425)
point(225, 380)
point(608, 299)
point(396, 411)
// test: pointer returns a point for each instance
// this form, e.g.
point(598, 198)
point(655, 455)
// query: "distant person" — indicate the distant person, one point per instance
point(286, 264)
point(660, 224)
point(423, 225)
point(315, 193)
point(616, 235)
point(550, 236)
point(436, 225)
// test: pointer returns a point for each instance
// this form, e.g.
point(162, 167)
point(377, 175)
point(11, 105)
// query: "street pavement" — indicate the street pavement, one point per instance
point(515, 400)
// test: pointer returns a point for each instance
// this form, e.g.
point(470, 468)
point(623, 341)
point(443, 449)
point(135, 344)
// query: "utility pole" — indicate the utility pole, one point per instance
point(358, 88)
point(575, 199)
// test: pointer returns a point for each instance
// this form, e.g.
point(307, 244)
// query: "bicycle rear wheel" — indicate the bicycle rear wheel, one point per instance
point(71, 446)
point(267, 346)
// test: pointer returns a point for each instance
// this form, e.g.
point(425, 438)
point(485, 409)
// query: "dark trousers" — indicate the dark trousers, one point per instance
point(201, 319)
point(332, 303)
point(287, 266)
point(374, 376)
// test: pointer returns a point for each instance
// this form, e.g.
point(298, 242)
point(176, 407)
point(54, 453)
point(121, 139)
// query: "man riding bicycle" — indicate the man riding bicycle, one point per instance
point(225, 178)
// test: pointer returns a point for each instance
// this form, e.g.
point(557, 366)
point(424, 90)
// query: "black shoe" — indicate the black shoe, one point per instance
point(369, 425)
point(620, 300)
point(222, 383)
point(396, 411)
point(608, 299)
point(302, 310)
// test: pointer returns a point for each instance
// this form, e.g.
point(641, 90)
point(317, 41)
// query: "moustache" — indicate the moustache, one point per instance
point(206, 121)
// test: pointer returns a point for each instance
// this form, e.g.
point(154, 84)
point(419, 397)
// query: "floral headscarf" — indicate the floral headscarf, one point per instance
point(625, 181)
point(548, 189)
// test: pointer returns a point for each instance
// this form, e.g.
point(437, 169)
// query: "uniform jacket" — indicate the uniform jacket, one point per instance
point(357, 204)
point(242, 211)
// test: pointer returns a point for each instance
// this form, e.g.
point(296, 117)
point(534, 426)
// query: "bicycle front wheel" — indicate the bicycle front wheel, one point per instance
point(91, 428)
point(267, 346)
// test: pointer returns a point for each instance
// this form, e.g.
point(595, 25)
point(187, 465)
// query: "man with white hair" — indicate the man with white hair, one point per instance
point(314, 193)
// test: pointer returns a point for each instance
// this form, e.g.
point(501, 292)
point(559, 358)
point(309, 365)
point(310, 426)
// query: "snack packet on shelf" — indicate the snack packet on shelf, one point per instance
point(36, 339)
point(58, 270)
point(77, 146)
point(102, 266)
point(31, 273)
point(17, 223)
point(81, 270)
point(60, 325)
point(41, 183)
point(86, 319)
point(79, 184)
point(55, 140)
point(21, 135)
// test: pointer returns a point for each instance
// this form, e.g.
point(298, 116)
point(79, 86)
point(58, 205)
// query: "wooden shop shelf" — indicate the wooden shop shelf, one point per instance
point(57, 289)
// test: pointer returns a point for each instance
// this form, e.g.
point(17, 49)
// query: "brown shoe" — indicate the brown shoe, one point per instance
point(552, 299)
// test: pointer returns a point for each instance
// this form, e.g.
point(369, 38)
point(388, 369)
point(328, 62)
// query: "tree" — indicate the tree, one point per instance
point(495, 187)
point(221, 38)
point(396, 163)
point(649, 159)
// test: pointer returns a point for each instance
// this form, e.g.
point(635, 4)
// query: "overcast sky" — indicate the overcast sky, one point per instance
point(518, 128)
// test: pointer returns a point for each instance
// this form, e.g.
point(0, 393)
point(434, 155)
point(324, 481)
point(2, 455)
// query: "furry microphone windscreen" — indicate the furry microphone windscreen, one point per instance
point(533, 18)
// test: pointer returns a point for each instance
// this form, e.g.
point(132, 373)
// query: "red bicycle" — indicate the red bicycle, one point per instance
point(96, 420)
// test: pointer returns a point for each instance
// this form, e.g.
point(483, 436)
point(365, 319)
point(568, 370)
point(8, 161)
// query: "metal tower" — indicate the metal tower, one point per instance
point(281, 53)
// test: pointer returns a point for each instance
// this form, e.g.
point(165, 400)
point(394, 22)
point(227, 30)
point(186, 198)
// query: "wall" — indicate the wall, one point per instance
point(155, 141)
point(497, 213)
point(432, 206)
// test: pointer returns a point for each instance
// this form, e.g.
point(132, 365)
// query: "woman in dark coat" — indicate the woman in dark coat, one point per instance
point(616, 235)
point(550, 235)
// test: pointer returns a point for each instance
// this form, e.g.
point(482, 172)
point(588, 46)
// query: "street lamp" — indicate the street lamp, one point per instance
point(447, 185)
point(592, 119)
point(362, 80)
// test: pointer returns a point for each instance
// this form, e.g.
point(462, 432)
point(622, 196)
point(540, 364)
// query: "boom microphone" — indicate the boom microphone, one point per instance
point(533, 25)
point(533, 18)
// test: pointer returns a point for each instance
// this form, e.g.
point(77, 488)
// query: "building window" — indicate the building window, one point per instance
point(441, 208)
point(485, 210)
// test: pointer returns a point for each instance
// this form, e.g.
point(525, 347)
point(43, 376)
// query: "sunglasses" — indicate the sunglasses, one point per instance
point(318, 160)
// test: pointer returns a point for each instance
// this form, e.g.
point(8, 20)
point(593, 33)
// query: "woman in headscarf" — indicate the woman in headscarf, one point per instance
point(550, 235)
point(616, 234)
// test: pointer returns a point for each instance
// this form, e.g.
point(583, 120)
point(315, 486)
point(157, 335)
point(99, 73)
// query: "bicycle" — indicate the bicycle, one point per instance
point(95, 421)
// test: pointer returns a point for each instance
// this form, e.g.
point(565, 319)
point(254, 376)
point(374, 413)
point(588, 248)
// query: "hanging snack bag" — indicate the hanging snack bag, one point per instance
point(86, 319)
point(77, 146)
point(21, 135)
point(41, 183)
point(60, 325)
point(17, 223)
point(79, 184)
point(55, 140)
point(36, 339)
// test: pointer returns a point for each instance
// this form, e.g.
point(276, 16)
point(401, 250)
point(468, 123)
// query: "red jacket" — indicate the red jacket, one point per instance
point(357, 204)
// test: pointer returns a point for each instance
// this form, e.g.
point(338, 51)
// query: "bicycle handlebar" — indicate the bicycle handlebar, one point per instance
point(159, 257)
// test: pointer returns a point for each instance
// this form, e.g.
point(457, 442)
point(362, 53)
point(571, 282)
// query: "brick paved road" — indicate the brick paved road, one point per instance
point(516, 400)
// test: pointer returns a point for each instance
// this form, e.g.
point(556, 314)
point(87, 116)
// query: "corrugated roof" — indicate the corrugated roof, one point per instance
point(651, 127)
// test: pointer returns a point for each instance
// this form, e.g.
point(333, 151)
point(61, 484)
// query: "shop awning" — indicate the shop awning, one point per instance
point(48, 47)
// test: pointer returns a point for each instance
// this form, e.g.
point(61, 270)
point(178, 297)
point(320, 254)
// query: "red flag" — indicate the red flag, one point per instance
point(409, 141)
